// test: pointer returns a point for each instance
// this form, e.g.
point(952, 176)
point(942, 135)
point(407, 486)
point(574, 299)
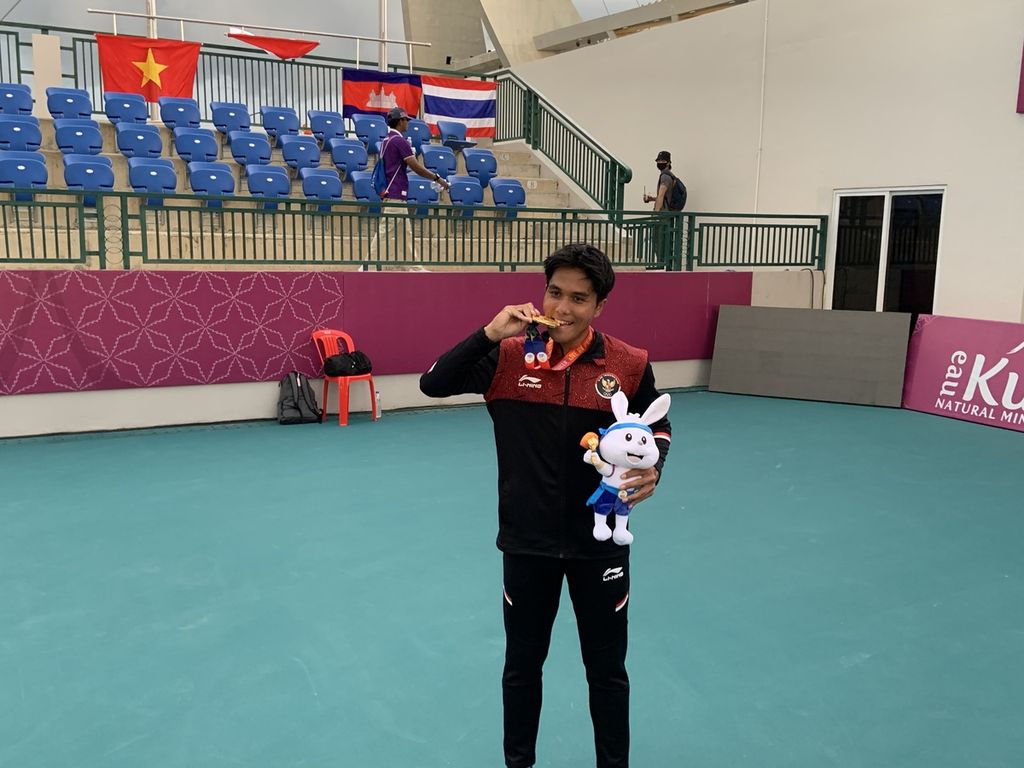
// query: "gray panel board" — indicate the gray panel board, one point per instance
point(835, 356)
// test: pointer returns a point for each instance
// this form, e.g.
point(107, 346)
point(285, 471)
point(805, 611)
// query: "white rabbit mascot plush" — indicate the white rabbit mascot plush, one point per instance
point(627, 444)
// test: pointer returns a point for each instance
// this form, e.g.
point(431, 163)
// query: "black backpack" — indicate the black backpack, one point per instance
point(348, 364)
point(675, 200)
point(296, 402)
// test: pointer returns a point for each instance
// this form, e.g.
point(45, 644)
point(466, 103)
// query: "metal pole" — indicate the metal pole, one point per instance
point(151, 31)
point(212, 23)
point(382, 59)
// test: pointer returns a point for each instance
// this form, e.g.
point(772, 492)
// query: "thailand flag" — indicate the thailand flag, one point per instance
point(366, 92)
point(471, 102)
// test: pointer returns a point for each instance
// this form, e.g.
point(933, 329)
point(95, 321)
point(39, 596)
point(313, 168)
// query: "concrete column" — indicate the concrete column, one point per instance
point(46, 66)
point(512, 26)
point(452, 27)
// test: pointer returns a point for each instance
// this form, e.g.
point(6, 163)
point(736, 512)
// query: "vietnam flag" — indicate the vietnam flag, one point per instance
point(147, 65)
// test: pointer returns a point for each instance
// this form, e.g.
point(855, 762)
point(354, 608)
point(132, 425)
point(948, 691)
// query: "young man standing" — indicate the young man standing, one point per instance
point(545, 529)
point(663, 199)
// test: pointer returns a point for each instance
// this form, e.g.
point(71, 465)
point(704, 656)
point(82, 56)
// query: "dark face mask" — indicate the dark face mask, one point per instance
point(661, 166)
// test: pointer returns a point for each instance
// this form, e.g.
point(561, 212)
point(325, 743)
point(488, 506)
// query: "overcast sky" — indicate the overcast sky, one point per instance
point(356, 17)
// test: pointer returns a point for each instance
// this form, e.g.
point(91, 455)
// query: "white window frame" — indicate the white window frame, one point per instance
point(883, 256)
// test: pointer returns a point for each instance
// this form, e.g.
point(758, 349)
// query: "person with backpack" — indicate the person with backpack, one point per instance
point(397, 154)
point(394, 157)
point(671, 195)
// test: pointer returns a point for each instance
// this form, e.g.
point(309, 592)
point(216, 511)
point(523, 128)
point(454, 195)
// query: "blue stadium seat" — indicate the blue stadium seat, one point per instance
point(211, 179)
point(299, 151)
point(320, 184)
point(249, 148)
point(20, 133)
point(371, 130)
point(466, 191)
point(22, 170)
point(68, 102)
point(125, 108)
point(325, 125)
point(15, 99)
point(178, 112)
point(421, 191)
point(36, 157)
point(280, 121)
point(154, 175)
point(418, 134)
point(78, 136)
point(508, 193)
point(268, 181)
point(88, 173)
point(134, 140)
point(230, 116)
point(348, 155)
point(196, 145)
point(440, 160)
point(362, 188)
point(453, 135)
point(480, 164)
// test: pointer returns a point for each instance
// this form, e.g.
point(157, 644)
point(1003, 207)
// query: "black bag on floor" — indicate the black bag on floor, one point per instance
point(348, 364)
point(296, 402)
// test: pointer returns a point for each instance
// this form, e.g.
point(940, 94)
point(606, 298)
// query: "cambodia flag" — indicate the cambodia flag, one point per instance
point(147, 65)
point(471, 102)
point(282, 47)
point(365, 92)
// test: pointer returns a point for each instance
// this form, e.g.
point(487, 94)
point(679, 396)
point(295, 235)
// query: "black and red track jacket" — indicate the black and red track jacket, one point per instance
point(539, 418)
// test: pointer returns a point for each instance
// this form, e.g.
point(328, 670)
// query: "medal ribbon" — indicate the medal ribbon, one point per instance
point(572, 355)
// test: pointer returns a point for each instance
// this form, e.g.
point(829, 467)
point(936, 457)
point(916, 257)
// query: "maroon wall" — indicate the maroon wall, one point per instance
point(77, 330)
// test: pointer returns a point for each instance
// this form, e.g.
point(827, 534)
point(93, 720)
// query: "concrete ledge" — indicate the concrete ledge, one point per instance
point(57, 413)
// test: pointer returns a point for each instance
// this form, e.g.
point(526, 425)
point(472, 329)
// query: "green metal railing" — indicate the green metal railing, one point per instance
point(525, 115)
point(10, 57)
point(122, 231)
point(764, 240)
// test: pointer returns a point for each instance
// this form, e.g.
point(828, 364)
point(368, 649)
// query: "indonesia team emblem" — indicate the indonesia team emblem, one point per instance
point(607, 386)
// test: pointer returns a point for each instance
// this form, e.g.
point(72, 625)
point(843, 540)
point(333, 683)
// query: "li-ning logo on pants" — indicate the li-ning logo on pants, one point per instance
point(612, 574)
point(529, 381)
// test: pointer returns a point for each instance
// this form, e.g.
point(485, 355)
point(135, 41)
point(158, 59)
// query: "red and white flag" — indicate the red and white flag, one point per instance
point(282, 47)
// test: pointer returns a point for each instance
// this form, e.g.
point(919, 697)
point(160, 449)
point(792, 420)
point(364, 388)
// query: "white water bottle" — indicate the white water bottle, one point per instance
point(377, 404)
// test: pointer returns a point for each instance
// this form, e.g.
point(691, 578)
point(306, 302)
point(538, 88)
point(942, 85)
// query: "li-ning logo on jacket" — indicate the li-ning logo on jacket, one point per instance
point(612, 573)
point(529, 381)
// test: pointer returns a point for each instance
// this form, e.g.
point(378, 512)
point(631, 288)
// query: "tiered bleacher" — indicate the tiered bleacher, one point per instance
point(323, 163)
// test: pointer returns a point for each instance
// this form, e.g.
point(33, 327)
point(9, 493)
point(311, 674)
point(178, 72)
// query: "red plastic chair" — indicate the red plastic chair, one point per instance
point(329, 343)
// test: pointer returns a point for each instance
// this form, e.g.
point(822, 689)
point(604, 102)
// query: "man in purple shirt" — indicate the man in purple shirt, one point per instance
point(391, 243)
point(396, 153)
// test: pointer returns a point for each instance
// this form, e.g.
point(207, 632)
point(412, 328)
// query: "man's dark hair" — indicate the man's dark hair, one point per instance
point(591, 260)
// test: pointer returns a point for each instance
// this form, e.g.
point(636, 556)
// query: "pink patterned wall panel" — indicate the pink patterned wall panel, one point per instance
point(77, 330)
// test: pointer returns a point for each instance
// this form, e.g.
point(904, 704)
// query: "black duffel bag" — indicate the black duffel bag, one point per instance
point(348, 364)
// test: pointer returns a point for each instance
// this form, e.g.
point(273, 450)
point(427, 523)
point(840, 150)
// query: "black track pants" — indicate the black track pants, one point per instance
point(600, 592)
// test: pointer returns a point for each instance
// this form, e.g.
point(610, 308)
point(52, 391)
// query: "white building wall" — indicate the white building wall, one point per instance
point(872, 93)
